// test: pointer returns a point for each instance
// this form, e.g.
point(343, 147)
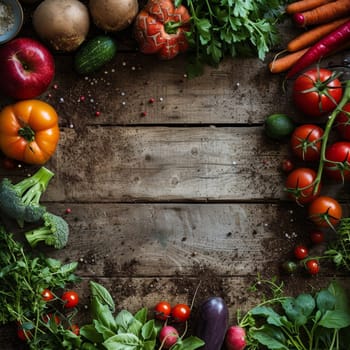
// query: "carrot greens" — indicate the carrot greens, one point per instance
point(231, 28)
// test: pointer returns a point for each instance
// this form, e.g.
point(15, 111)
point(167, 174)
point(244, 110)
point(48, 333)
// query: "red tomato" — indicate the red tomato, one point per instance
point(306, 142)
point(181, 312)
point(75, 329)
point(287, 165)
point(325, 211)
point(300, 185)
point(313, 266)
point(317, 237)
point(162, 310)
point(317, 92)
point(48, 317)
point(70, 299)
point(47, 295)
point(23, 335)
point(342, 122)
point(338, 155)
point(301, 252)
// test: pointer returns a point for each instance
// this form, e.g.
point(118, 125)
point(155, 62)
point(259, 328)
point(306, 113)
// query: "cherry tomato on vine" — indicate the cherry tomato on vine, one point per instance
point(75, 329)
point(181, 312)
point(300, 185)
point(325, 211)
point(342, 122)
point(317, 91)
point(317, 237)
point(306, 142)
point(47, 295)
point(23, 335)
point(162, 310)
point(301, 252)
point(48, 318)
point(312, 266)
point(70, 299)
point(289, 267)
point(287, 165)
point(337, 166)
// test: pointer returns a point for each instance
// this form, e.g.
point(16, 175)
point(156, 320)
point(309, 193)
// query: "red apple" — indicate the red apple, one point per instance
point(27, 68)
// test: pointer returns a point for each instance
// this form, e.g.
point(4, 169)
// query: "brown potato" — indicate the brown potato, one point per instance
point(64, 24)
point(113, 15)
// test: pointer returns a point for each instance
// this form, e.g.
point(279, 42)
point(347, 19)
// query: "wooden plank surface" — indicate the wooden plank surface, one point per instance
point(190, 192)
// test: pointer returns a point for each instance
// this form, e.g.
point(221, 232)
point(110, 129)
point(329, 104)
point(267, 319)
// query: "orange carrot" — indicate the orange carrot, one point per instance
point(305, 5)
point(313, 35)
point(282, 64)
point(323, 14)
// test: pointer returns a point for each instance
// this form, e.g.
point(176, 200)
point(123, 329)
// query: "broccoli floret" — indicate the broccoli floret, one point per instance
point(21, 201)
point(53, 232)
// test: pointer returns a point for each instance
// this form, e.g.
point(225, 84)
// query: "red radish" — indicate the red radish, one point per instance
point(235, 338)
point(322, 48)
point(168, 336)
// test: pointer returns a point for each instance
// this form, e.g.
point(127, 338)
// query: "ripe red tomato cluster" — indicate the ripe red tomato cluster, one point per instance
point(316, 93)
point(302, 257)
point(55, 316)
point(316, 159)
point(178, 313)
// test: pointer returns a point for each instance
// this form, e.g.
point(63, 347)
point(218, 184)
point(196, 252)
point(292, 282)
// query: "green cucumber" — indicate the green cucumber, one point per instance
point(94, 54)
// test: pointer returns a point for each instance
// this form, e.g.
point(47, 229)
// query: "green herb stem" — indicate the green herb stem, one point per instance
point(345, 99)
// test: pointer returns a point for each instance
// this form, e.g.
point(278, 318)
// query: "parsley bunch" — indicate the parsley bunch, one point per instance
point(23, 277)
point(222, 28)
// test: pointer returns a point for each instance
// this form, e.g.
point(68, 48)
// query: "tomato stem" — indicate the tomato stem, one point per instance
point(27, 133)
point(345, 99)
point(171, 27)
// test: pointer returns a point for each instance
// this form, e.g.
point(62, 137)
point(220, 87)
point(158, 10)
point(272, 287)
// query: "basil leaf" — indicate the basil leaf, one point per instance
point(101, 293)
point(335, 319)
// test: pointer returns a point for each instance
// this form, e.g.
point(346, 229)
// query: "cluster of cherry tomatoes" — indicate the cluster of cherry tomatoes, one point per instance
point(68, 300)
point(321, 148)
point(179, 313)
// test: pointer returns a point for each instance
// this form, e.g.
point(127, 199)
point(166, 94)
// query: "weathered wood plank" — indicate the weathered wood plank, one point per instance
point(162, 164)
point(157, 240)
point(167, 164)
point(241, 91)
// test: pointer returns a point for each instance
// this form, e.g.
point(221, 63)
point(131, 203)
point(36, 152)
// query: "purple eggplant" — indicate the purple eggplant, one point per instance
point(212, 323)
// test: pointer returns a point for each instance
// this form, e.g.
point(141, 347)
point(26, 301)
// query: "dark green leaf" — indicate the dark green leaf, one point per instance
point(325, 300)
point(103, 314)
point(335, 319)
point(149, 330)
point(89, 332)
point(123, 319)
point(272, 317)
point(124, 341)
point(269, 336)
point(141, 315)
point(102, 294)
point(340, 295)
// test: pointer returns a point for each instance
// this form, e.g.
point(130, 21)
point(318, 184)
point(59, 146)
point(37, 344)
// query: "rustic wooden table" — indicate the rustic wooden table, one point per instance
point(169, 195)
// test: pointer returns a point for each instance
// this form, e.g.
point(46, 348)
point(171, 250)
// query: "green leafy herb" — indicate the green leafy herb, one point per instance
point(124, 331)
point(339, 249)
point(222, 28)
point(23, 277)
point(301, 323)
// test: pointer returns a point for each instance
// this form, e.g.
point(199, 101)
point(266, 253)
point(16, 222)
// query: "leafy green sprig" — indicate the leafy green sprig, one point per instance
point(222, 28)
point(306, 322)
point(124, 330)
point(23, 277)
